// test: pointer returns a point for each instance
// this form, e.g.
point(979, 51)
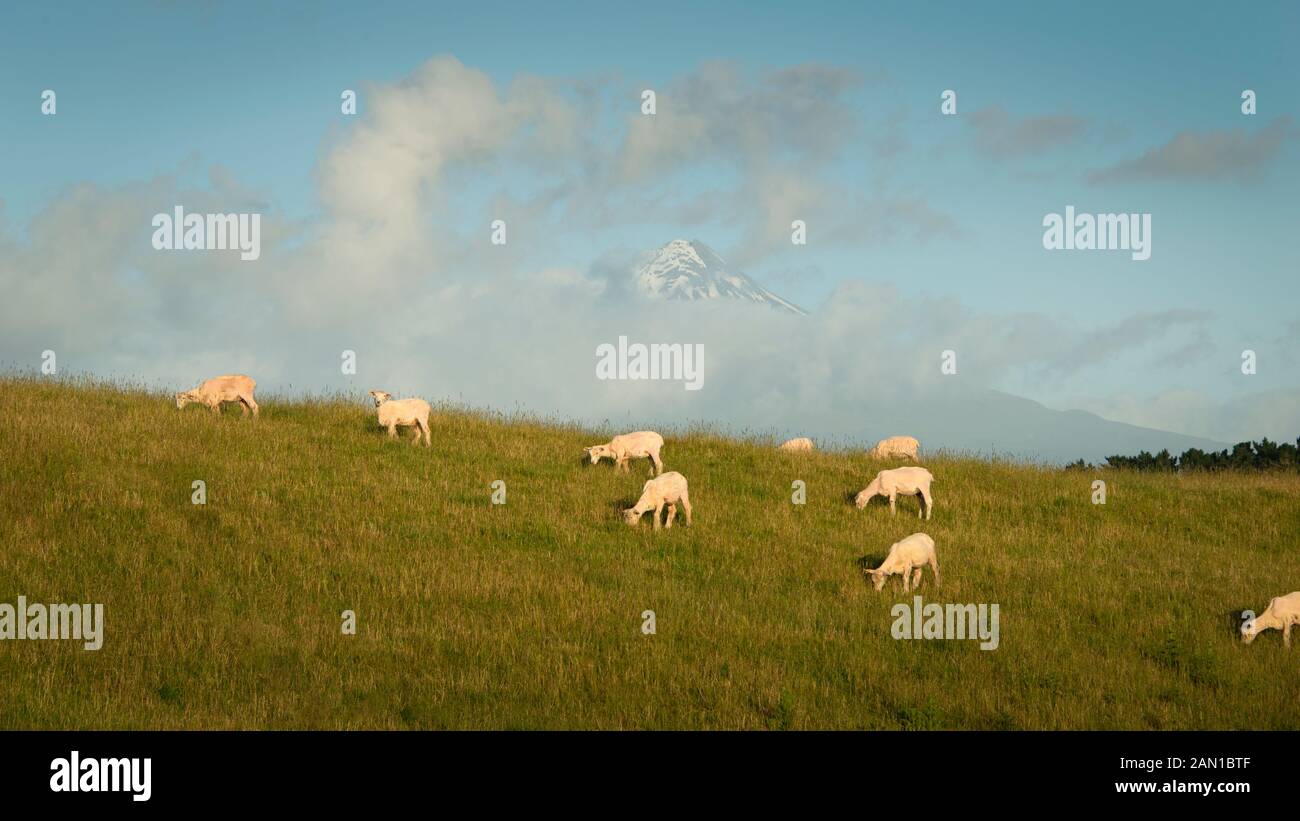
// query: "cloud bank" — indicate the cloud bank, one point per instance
point(396, 265)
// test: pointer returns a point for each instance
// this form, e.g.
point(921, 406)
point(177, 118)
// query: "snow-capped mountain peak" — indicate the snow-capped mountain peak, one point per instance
point(692, 270)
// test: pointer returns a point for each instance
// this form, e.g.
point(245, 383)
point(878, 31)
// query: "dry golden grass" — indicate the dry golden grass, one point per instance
point(472, 615)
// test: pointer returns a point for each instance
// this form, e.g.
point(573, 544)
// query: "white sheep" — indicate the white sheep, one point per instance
point(405, 413)
point(801, 445)
point(668, 489)
point(228, 388)
point(895, 447)
point(639, 445)
point(906, 557)
point(907, 481)
point(1283, 613)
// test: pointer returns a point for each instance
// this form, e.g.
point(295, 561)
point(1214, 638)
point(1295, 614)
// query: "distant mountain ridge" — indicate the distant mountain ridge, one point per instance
point(986, 422)
point(993, 423)
point(691, 270)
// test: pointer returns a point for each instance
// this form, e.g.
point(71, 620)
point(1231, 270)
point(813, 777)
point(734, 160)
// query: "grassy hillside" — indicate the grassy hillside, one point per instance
point(528, 614)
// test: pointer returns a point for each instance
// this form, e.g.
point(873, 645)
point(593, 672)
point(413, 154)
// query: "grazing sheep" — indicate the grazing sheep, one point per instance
point(905, 558)
point(800, 445)
point(639, 445)
point(404, 413)
point(895, 447)
point(229, 388)
point(668, 489)
point(907, 481)
point(1283, 613)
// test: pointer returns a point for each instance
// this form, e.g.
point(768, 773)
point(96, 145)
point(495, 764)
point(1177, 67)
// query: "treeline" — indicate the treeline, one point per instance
point(1261, 455)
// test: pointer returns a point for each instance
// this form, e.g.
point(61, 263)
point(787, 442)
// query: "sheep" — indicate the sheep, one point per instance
point(907, 481)
point(403, 412)
point(642, 444)
point(668, 489)
point(1283, 613)
point(228, 388)
point(906, 558)
point(895, 447)
point(800, 445)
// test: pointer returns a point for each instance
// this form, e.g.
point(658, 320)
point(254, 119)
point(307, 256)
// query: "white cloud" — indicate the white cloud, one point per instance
point(1212, 155)
point(999, 134)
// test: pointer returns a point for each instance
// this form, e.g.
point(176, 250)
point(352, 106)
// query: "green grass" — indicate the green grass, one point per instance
point(528, 615)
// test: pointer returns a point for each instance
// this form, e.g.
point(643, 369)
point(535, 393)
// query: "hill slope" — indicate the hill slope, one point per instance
point(528, 614)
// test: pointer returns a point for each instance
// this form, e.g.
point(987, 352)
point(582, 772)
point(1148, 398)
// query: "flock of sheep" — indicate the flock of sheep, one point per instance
point(906, 557)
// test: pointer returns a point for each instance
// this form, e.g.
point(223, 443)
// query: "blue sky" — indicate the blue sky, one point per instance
point(170, 90)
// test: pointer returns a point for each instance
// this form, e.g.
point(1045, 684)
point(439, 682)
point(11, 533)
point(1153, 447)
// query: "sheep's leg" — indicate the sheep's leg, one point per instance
point(659, 508)
point(929, 504)
point(672, 514)
point(907, 579)
point(1286, 635)
point(686, 506)
point(243, 407)
point(392, 430)
point(916, 578)
point(934, 566)
point(892, 497)
point(252, 405)
point(215, 407)
point(424, 428)
point(658, 467)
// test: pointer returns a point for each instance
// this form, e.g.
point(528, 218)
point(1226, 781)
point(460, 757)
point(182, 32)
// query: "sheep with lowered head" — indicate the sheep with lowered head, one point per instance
point(666, 490)
point(644, 444)
point(905, 558)
point(219, 389)
point(1283, 613)
point(907, 481)
point(896, 447)
point(404, 413)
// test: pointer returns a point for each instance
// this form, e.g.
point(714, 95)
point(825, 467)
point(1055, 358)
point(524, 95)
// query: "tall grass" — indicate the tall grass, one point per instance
point(528, 614)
